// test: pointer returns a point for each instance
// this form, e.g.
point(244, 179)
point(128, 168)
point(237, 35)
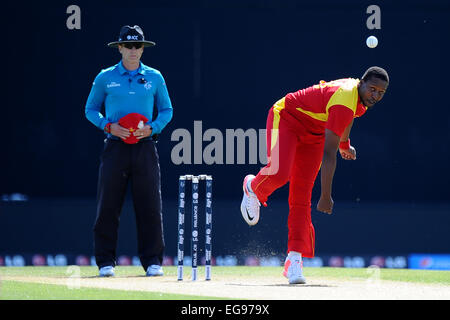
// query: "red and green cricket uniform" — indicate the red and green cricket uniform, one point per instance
point(295, 140)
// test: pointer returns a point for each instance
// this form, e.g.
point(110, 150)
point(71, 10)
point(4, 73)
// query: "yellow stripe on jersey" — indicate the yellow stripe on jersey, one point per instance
point(277, 107)
point(346, 95)
point(314, 115)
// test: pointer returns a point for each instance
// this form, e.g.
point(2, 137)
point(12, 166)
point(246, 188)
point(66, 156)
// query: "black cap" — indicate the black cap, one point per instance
point(131, 34)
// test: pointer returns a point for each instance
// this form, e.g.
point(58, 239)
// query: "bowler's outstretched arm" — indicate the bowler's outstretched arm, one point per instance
point(327, 171)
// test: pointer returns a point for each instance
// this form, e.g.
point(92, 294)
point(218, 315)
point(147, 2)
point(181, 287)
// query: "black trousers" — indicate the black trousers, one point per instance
point(120, 164)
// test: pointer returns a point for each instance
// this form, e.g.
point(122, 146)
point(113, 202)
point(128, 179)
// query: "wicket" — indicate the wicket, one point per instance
point(194, 235)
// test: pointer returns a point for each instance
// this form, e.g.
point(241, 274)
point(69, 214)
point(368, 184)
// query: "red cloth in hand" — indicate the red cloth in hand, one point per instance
point(131, 122)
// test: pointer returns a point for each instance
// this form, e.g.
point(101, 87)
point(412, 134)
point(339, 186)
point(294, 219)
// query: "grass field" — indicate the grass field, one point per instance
point(82, 283)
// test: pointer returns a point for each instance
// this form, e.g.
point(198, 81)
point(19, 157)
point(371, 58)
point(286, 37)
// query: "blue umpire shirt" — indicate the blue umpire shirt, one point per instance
point(123, 92)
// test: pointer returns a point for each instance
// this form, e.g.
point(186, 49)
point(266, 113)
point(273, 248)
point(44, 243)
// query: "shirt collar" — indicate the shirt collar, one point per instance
point(122, 69)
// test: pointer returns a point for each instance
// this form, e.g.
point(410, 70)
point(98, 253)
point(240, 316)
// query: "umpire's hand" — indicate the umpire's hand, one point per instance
point(119, 131)
point(144, 132)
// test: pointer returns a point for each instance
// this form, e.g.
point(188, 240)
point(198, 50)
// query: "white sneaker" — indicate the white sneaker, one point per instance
point(154, 271)
point(107, 271)
point(250, 204)
point(293, 269)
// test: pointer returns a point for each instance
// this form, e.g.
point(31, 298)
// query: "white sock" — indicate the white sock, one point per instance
point(295, 254)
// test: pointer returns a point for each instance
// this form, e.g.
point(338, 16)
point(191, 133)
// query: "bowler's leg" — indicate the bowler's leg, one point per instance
point(301, 237)
point(281, 144)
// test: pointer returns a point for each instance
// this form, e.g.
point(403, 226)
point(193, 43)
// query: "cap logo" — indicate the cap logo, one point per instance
point(131, 34)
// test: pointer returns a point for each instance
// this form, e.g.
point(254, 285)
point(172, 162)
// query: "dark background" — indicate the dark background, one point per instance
point(225, 63)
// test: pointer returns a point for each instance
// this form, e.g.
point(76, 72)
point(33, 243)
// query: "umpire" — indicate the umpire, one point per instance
point(129, 90)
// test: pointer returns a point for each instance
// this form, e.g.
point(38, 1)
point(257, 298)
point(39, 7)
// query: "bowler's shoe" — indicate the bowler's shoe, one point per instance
point(249, 204)
point(293, 269)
